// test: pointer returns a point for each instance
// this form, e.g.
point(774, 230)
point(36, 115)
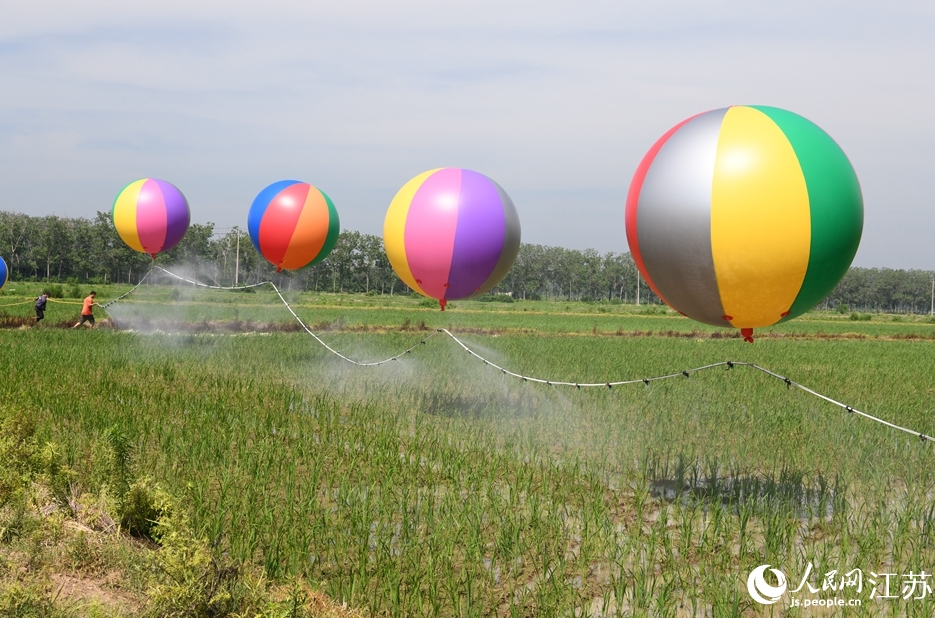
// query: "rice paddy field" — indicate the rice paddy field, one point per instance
point(438, 486)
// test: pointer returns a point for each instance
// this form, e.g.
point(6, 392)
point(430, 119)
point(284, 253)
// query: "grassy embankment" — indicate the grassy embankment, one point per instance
point(437, 486)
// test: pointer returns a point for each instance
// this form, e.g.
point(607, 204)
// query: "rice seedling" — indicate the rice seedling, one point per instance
point(437, 486)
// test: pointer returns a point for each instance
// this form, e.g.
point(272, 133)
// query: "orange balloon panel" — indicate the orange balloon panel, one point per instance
point(293, 224)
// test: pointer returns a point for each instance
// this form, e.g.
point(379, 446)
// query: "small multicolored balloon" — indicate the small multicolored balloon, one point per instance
point(744, 216)
point(293, 224)
point(451, 233)
point(4, 273)
point(151, 215)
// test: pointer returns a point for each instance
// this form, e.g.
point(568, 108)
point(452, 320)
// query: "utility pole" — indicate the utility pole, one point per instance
point(237, 262)
point(932, 310)
point(637, 287)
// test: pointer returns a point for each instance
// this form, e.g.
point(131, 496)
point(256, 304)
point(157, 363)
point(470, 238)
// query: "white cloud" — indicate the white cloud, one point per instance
point(556, 101)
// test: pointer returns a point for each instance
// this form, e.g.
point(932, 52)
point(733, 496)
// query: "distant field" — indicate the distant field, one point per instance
point(437, 486)
point(154, 306)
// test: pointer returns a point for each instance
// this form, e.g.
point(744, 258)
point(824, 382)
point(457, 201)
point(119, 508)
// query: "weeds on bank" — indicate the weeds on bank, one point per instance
point(106, 543)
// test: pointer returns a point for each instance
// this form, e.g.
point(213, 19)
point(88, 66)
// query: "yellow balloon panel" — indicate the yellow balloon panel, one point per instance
point(394, 230)
point(124, 215)
point(760, 220)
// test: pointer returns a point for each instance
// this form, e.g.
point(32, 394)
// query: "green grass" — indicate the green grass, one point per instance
point(438, 486)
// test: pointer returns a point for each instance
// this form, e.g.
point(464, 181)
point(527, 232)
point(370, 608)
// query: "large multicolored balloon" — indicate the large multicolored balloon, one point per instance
point(151, 215)
point(744, 216)
point(451, 233)
point(293, 224)
point(4, 273)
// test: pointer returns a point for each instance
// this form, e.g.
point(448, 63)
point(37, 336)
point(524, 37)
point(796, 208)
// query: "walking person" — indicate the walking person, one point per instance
point(87, 311)
point(40, 306)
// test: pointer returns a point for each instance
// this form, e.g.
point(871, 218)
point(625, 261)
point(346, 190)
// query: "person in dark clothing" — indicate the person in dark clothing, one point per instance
point(40, 306)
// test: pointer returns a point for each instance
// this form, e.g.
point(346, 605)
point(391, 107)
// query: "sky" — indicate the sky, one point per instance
point(556, 101)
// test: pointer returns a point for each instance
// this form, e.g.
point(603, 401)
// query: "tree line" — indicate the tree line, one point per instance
point(62, 249)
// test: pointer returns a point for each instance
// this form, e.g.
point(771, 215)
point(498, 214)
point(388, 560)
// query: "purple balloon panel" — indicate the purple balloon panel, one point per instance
point(178, 215)
point(479, 236)
point(511, 240)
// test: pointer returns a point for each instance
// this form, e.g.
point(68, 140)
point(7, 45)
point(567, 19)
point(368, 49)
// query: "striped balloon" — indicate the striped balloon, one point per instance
point(293, 224)
point(151, 215)
point(4, 273)
point(451, 233)
point(744, 216)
